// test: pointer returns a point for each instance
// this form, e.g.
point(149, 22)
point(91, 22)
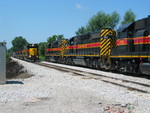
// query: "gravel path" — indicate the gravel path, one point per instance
point(53, 91)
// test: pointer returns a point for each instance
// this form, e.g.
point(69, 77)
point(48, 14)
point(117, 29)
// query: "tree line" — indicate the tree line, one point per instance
point(19, 43)
point(96, 22)
point(103, 20)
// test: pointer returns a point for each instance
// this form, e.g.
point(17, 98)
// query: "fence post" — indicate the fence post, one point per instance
point(2, 62)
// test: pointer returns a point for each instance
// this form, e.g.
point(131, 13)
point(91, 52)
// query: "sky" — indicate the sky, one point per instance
point(36, 20)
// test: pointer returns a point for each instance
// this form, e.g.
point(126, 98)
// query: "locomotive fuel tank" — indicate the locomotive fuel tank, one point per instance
point(79, 60)
point(145, 68)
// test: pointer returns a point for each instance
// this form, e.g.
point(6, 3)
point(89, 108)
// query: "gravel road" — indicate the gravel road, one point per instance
point(53, 91)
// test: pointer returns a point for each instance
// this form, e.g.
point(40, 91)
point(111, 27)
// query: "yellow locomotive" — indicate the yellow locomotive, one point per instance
point(30, 53)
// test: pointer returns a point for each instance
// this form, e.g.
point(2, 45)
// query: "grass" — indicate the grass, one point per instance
point(41, 57)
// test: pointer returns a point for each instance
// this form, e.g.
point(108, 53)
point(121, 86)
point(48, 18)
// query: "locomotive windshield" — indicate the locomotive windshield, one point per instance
point(32, 46)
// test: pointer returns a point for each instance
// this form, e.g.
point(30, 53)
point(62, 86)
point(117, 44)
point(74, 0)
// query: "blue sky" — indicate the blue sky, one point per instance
point(36, 20)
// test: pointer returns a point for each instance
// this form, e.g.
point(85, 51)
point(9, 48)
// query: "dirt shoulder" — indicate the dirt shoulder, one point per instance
point(14, 70)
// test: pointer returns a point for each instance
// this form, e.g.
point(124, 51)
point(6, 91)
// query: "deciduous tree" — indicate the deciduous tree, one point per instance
point(128, 17)
point(51, 39)
point(55, 38)
point(19, 43)
point(81, 30)
point(42, 47)
point(100, 20)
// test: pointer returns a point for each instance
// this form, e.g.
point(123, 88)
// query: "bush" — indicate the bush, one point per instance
point(8, 57)
point(42, 57)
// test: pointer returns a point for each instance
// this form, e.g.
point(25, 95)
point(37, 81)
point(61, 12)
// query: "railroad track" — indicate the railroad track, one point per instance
point(129, 84)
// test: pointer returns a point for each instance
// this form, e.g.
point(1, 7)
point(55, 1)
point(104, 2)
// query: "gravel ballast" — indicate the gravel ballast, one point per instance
point(53, 91)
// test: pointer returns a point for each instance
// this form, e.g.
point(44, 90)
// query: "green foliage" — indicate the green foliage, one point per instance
point(41, 57)
point(114, 20)
point(19, 43)
point(51, 39)
point(60, 37)
point(42, 47)
point(10, 50)
point(100, 20)
point(103, 20)
point(129, 17)
point(55, 38)
point(8, 57)
point(81, 30)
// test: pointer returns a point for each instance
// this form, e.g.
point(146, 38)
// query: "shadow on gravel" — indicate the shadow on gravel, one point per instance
point(14, 82)
point(130, 74)
point(137, 75)
point(126, 74)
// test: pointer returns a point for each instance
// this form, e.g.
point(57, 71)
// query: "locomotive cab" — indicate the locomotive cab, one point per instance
point(133, 47)
point(145, 60)
point(32, 52)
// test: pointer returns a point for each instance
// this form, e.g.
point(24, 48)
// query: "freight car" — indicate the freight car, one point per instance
point(128, 51)
point(30, 53)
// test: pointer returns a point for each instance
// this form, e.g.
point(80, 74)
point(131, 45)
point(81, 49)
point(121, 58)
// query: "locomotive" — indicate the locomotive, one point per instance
point(30, 53)
point(125, 50)
point(83, 50)
point(132, 51)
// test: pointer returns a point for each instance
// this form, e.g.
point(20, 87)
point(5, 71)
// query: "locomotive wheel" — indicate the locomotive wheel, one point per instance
point(98, 64)
point(64, 60)
point(135, 69)
point(95, 63)
point(90, 63)
point(70, 61)
point(67, 61)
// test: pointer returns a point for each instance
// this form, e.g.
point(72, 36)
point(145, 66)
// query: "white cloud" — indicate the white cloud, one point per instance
point(79, 6)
